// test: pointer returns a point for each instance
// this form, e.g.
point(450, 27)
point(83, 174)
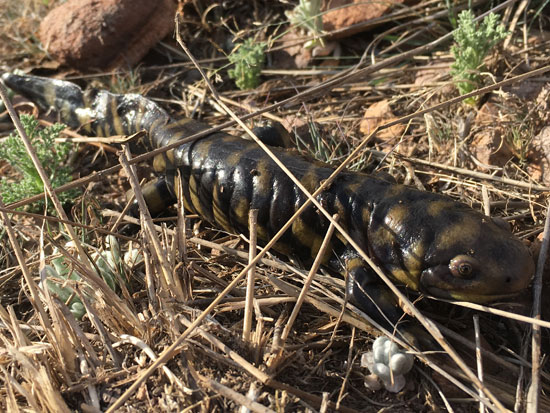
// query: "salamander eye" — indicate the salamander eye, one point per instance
point(463, 266)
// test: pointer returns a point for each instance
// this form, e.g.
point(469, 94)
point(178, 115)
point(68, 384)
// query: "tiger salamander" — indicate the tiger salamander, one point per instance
point(426, 241)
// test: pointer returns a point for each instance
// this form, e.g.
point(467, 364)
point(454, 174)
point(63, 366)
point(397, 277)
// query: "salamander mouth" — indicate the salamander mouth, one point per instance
point(439, 282)
point(465, 296)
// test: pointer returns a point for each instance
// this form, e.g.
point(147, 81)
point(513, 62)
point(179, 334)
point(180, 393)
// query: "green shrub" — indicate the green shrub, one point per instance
point(52, 156)
point(248, 59)
point(473, 43)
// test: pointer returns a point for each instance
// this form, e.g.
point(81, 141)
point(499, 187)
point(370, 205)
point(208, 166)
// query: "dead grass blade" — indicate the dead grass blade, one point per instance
point(533, 394)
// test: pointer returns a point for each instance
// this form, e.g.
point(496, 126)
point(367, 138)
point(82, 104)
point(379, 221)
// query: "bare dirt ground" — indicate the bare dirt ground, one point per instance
point(492, 154)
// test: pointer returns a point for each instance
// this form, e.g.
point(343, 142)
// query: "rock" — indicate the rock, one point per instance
point(348, 20)
point(539, 157)
point(489, 145)
point(293, 54)
point(378, 114)
point(105, 34)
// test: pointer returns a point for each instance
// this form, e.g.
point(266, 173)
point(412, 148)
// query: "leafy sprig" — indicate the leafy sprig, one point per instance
point(248, 59)
point(473, 43)
point(52, 156)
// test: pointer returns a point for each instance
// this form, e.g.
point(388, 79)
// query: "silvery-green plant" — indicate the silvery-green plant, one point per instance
point(307, 15)
point(108, 262)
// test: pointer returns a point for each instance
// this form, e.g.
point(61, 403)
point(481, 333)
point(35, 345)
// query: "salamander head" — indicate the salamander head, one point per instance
point(448, 250)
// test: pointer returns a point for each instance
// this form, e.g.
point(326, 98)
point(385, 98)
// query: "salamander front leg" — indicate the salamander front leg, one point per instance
point(272, 133)
point(372, 296)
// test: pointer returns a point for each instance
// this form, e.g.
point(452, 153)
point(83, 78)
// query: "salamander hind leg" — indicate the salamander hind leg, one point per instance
point(159, 195)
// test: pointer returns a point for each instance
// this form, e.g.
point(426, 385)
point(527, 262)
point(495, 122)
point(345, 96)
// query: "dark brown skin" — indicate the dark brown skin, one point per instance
point(426, 241)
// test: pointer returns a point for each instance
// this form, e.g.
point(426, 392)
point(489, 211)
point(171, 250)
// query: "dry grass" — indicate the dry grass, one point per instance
point(51, 362)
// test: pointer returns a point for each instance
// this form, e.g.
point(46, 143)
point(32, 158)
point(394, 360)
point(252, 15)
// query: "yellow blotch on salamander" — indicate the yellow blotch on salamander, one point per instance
point(262, 177)
point(402, 275)
point(241, 211)
point(159, 164)
point(117, 124)
point(139, 116)
point(302, 232)
point(394, 190)
point(177, 185)
point(232, 160)
point(202, 147)
point(465, 231)
point(435, 208)
point(194, 194)
point(310, 180)
point(219, 210)
point(396, 216)
point(414, 258)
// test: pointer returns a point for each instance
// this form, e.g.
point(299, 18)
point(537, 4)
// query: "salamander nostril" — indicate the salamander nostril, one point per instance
point(508, 279)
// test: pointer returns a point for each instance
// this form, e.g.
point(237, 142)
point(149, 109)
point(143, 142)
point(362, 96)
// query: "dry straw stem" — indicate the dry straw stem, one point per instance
point(72, 223)
point(172, 283)
point(305, 289)
point(251, 278)
point(502, 313)
point(533, 395)
point(479, 362)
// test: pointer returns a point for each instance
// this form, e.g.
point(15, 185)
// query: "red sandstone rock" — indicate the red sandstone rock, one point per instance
point(378, 114)
point(351, 17)
point(105, 33)
point(489, 145)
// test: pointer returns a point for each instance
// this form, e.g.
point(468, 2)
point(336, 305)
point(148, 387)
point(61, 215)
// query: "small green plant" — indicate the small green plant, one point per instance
point(307, 15)
point(519, 141)
point(329, 148)
point(473, 43)
point(248, 59)
point(51, 155)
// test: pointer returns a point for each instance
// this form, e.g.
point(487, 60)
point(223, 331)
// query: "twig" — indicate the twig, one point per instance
point(175, 288)
point(479, 363)
point(533, 395)
point(463, 171)
point(129, 339)
point(251, 279)
point(73, 223)
point(233, 395)
point(33, 288)
point(305, 289)
point(492, 310)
